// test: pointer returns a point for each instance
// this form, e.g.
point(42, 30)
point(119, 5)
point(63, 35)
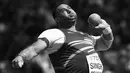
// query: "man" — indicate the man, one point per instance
point(77, 51)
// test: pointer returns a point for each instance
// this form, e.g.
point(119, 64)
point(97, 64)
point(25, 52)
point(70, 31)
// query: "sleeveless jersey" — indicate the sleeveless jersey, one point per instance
point(77, 55)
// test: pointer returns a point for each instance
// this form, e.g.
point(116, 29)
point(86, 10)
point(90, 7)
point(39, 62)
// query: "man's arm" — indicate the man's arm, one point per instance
point(45, 40)
point(104, 41)
point(29, 53)
point(33, 50)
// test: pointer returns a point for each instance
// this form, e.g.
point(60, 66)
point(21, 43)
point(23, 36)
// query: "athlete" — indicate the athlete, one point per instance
point(77, 51)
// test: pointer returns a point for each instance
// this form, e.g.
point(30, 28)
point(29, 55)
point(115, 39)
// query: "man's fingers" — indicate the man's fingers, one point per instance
point(20, 64)
point(17, 64)
point(14, 64)
point(99, 26)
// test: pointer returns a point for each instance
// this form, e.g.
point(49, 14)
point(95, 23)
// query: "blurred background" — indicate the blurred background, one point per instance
point(21, 21)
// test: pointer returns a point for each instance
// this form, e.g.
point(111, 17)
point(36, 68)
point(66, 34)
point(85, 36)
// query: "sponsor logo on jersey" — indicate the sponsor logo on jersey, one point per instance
point(94, 63)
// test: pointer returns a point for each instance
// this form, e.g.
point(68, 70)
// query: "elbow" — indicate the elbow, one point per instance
point(108, 45)
point(105, 48)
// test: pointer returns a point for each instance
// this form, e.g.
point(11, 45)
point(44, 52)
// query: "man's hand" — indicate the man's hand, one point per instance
point(95, 21)
point(103, 25)
point(18, 62)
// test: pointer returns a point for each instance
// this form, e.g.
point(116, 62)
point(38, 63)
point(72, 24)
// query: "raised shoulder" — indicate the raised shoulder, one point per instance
point(52, 35)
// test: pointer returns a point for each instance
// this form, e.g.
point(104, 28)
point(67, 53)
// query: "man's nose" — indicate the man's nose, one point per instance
point(69, 12)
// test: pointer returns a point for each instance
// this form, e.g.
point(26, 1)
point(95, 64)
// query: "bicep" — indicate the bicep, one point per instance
point(52, 42)
point(39, 45)
point(100, 44)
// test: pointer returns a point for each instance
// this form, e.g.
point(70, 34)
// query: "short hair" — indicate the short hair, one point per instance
point(55, 10)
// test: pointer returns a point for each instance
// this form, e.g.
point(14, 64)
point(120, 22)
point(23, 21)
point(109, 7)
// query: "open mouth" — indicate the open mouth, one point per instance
point(72, 17)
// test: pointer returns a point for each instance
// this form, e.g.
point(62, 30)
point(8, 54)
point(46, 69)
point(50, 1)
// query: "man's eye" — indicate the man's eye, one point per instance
point(68, 11)
point(69, 7)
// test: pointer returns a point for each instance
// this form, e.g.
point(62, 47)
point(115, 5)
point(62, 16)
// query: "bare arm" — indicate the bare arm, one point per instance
point(104, 42)
point(33, 50)
point(32, 53)
point(29, 53)
point(45, 40)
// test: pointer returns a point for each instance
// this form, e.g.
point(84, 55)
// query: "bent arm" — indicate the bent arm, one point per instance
point(33, 50)
point(105, 41)
point(45, 40)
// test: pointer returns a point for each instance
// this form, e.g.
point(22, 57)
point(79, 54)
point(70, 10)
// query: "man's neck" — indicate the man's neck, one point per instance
point(67, 25)
point(73, 29)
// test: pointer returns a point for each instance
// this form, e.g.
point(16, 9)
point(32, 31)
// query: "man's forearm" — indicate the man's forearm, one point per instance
point(34, 49)
point(28, 53)
point(107, 34)
point(108, 37)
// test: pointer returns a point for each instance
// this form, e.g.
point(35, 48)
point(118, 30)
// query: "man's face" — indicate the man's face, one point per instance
point(66, 12)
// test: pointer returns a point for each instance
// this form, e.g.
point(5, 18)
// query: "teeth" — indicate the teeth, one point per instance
point(72, 16)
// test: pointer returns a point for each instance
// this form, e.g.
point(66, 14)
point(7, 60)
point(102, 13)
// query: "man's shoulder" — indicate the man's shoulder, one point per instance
point(52, 33)
point(53, 29)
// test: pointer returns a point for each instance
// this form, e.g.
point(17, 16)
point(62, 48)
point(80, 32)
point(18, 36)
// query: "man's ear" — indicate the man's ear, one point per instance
point(57, 19)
